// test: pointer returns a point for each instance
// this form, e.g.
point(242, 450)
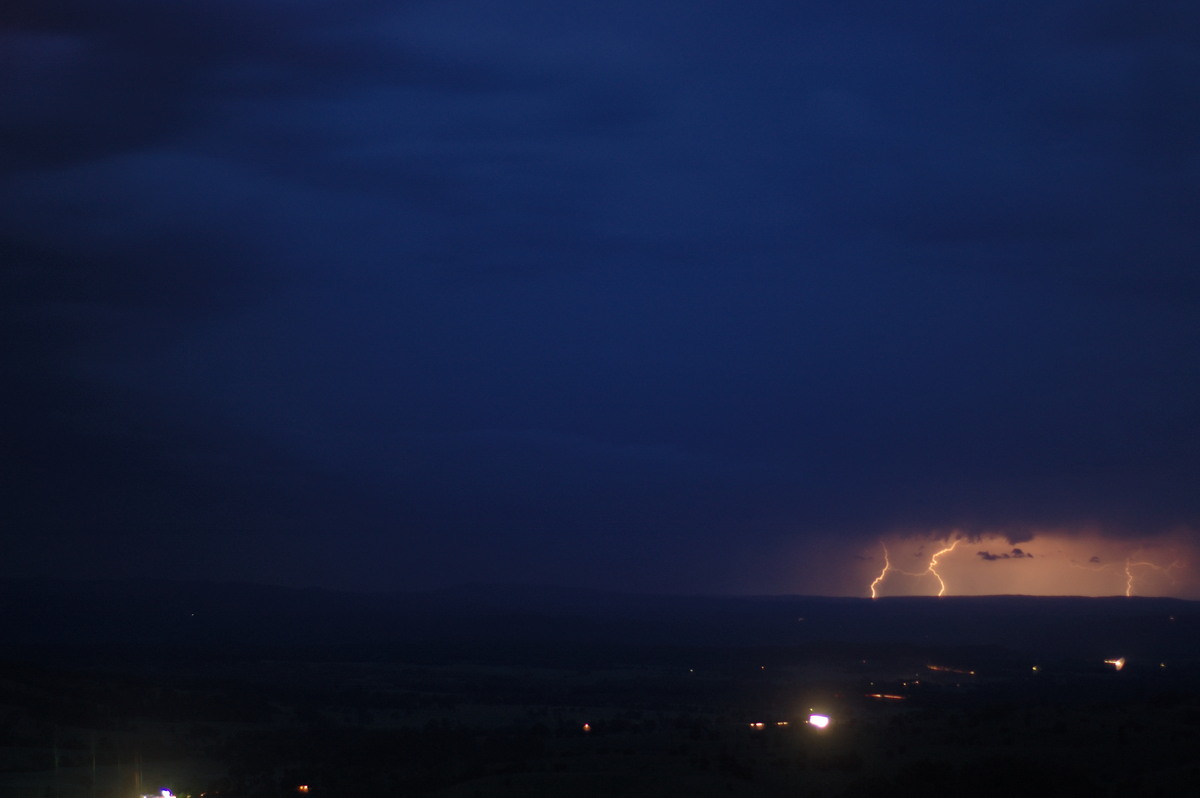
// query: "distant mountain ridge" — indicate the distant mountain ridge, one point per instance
point(143, 614)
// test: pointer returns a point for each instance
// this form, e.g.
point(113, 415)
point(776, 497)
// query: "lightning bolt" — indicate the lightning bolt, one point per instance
point(931, 570)
point(1130, 564)
point(887, 566)
point(933, 561)
point(1129, 576)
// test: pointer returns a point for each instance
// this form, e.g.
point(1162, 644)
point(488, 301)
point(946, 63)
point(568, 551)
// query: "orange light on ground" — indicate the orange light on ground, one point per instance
point(302, 788)
point(587, 727)
point(947, 669)
point(885, 696)
point(1117, 664)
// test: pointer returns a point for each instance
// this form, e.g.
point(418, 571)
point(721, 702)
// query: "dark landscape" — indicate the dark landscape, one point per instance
point(122, 689)
point(634, 398)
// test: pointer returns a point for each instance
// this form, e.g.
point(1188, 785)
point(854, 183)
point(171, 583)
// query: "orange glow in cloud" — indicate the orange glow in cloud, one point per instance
point(1051, 563)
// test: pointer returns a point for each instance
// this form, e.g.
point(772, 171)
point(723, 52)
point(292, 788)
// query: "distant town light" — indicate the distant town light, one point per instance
point(587, 727)
point(820, 721)
point(1117, 664)
point(948, 669)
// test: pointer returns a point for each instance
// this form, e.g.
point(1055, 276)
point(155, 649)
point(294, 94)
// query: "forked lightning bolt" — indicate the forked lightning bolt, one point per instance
point(1130, 564)
point(933, 561)
point(931, 570)
point(887, 566)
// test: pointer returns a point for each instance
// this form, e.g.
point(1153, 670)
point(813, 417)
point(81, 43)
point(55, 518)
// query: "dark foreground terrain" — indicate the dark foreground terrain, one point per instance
point(122, 690)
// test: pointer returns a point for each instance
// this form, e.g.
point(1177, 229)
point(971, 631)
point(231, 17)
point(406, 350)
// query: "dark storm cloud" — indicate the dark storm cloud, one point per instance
point(85, 79)
point(109, 251)
point(611, 288)
point(1015, 554)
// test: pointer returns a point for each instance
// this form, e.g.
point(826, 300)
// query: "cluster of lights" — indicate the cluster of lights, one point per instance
point(165, 793)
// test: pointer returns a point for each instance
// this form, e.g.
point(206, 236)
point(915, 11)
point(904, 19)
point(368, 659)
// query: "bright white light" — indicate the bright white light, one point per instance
point(820, 721)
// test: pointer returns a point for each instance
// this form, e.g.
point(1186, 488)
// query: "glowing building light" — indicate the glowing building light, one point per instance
point(757, 725)
point(819, 721)
point(302, 788)
point(1117, 664)
point(587, 727)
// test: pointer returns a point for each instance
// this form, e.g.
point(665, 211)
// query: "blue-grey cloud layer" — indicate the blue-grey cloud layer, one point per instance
point(433, 291)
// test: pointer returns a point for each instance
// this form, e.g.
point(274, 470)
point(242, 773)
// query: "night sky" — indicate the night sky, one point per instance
point(664, 296)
